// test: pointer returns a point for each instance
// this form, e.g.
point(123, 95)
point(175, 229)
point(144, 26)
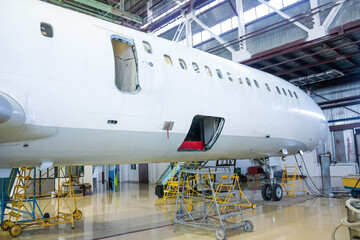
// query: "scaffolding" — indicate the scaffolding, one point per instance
point(209, 205)
point(291, 182)
point(29, 207)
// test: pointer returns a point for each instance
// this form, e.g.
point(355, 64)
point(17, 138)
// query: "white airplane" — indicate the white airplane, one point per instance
point(78, 90)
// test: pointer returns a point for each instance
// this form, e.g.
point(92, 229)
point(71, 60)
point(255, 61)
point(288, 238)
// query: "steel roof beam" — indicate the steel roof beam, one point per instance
point(284, 15)
point(318, 63)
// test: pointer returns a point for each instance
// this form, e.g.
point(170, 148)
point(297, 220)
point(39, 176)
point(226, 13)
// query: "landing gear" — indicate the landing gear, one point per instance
point(276, 192)
point(271, 191)
point(266, 192)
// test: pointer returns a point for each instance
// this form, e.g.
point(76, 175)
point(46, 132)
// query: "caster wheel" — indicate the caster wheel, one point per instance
point(5, 225)
point(266, 192)
point(46, 217)
point(249, 226)
point(15, 230)
point(277, 192)
point(220, 233)
point(253, 206)
point(77, 214)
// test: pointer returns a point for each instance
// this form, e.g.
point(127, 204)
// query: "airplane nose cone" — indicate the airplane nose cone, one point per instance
point(5, 110)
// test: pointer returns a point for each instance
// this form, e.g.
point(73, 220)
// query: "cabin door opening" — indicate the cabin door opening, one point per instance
point(203, 133)
point(126, 66)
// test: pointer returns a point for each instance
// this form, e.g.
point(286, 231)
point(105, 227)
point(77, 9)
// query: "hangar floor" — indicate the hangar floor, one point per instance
point(131, 214)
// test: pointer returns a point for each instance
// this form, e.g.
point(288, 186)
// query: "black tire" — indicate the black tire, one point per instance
point(266, 192)
point(277, 192)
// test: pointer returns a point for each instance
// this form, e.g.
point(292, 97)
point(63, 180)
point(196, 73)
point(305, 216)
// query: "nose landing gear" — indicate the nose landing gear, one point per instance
point(274, 190)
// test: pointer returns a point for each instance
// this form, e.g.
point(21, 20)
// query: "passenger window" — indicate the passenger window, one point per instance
point(182, 63)
point(240, 80)
point(147, 47)
point(126, 72)
point(267, 87)
point(219, 73)
point(295, 95)
point(229, 76)
point(168, 60)
point(196, 67)
point(256, 83)
point(46, 30)
point(208, 71)
point(290, 93)
point(278, 89)
point(248, 82)
point(284, 92)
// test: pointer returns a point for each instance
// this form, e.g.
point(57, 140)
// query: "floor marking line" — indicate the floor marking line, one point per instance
point(131, 232)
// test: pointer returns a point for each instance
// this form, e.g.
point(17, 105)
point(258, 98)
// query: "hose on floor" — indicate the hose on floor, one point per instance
point(344, 222)
point(316, 192)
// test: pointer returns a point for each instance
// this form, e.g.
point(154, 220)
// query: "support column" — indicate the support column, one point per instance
point(243, 53)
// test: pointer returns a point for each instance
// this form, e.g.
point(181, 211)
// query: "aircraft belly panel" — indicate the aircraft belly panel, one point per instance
point(86, 146)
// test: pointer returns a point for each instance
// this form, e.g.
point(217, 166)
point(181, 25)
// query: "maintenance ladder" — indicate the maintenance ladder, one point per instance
point(216, 208)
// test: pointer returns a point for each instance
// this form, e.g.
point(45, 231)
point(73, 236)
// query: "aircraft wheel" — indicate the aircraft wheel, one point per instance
point(77, 214)
point(15, 230)
point(277, 192)
point(220, 233)
point(5, 225)
point(249, 226)
point(266, 192)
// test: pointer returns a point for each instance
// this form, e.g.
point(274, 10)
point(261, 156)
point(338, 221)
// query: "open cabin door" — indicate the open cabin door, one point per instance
point(203, 133)
point(126, 65)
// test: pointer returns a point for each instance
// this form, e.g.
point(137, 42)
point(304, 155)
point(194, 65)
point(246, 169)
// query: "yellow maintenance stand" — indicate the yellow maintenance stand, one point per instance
point(29, 207)
point(291, 181)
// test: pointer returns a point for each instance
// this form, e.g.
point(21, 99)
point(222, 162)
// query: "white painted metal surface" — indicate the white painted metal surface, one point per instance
point(57, 95)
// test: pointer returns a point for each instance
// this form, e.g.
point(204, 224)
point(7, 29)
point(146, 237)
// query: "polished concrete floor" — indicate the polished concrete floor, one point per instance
point(131, 213)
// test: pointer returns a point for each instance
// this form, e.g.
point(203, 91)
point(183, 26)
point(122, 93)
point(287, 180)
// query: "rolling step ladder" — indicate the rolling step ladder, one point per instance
point(216, 208)
point(29, 207)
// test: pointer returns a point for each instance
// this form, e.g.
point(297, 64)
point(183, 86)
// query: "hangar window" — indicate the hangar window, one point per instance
point(203, 133)
point(208, 71)
point(278, 89)
point(256, 83)
point(182, 63)
point(147, 47)
point(267, 87)
point(46, 30)
point(290, 93)
point(219, 73)
point(229, 76)
point(196, 67)
point(284, 91)
point(168, 60)
point(126, 69)
point(295, 95)
point(240, 80)
point(248, 82)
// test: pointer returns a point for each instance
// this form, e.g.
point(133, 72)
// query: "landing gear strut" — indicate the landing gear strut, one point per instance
point(273, 190)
